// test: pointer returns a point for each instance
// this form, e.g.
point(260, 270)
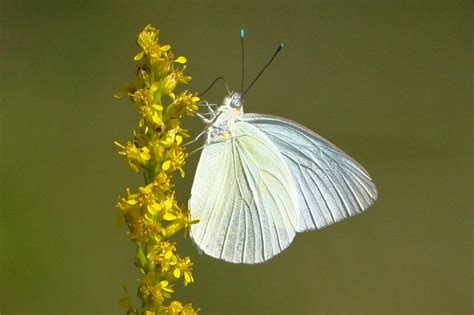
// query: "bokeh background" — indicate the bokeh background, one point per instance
point(388, 81)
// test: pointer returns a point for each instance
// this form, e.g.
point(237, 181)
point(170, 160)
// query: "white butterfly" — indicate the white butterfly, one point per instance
point(261, 179)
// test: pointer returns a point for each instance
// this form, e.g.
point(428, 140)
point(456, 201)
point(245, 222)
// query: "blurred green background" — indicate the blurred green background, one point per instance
point(388, 81)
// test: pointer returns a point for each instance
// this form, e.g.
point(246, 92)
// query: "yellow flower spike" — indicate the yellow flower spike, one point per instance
point(151, 212)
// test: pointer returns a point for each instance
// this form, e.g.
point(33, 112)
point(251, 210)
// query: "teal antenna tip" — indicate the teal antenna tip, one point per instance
point(242, 33)
point(281, 45)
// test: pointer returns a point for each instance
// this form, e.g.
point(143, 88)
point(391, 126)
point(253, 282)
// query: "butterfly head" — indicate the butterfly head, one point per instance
point(234, 100)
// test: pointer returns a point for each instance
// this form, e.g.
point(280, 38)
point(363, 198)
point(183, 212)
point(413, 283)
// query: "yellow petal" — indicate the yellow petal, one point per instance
point(133, 166)
point(177, 273)
point(181, 60)
point(156, 119)
point(179, 139)
point(166, 165)
point(168, 254)
point(119, 145)
point(139, 56)
point(132, 202)
point(153, 208)
point(154, 86)
point(168, 204)
point(149, 217)
point(185, 79)
point(165, 47)
point(187, 277)
point(125, 302)
point(169, 217)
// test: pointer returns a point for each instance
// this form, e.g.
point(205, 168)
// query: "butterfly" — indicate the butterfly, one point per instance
point(261, 179)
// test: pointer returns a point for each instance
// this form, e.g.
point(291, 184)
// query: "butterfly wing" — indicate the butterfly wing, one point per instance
point(330, 185)
point(244, 196)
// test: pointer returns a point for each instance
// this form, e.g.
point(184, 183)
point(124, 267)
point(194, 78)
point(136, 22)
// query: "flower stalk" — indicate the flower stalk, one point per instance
point(151, 212)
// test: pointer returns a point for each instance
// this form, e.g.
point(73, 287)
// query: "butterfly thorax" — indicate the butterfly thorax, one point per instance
point(227, 115)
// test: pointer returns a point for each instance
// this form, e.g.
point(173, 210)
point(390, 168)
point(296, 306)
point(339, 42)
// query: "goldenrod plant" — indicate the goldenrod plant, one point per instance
point(151, 212)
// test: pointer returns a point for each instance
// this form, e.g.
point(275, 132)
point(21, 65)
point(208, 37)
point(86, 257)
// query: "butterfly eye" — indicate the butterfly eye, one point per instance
point(235, 102)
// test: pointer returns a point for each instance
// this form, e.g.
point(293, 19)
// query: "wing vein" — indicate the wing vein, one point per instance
point(339, 205)
point(213, 214)
point(304, 195)
point(324, 198)
point(253, 199)
point(224, 243)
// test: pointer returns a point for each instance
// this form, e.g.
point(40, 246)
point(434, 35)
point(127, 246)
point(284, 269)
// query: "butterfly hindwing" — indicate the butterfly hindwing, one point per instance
point(330, 185)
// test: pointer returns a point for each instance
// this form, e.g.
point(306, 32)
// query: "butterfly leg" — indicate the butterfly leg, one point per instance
point(203, 118)
point(195, 139)
point(196, 150)
point(206, 104)
point(211, 112)
point(212, 119)
point(208, 123)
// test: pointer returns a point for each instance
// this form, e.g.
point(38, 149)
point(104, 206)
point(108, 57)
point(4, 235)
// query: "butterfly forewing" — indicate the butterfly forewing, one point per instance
point(245, 198)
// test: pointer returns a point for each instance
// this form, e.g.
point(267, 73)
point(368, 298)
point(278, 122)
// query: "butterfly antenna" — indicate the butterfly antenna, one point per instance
point(264, 68)
point(212, 84)
point(242, 34)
